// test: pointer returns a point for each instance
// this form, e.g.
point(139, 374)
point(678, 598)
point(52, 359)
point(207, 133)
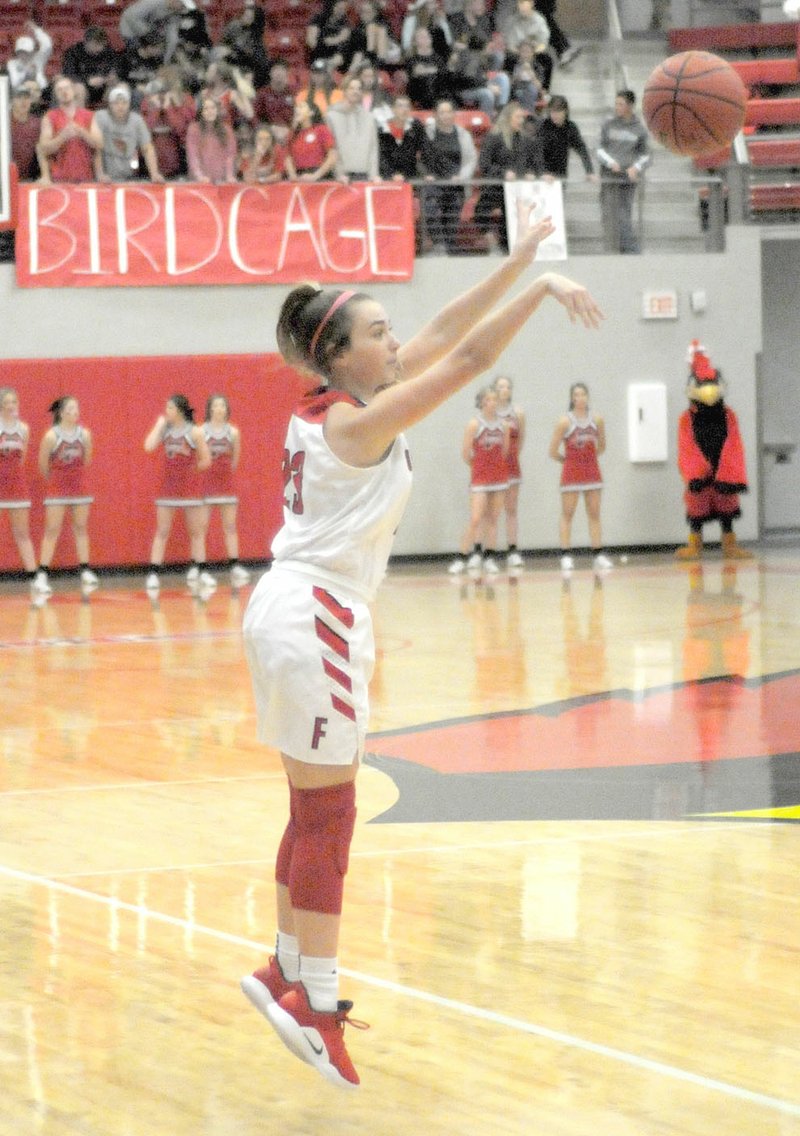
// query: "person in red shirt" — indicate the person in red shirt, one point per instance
point(311, 151)
point(211, 146)
point(68, 138)
point(261, 161)
point(25, 129)
point(168, 110)
point(275, 102)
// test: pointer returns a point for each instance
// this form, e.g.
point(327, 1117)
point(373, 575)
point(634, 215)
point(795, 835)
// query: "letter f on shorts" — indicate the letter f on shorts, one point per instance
point(319, 732)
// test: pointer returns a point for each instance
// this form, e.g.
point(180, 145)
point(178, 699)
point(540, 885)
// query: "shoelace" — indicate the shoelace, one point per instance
point(342, 1018)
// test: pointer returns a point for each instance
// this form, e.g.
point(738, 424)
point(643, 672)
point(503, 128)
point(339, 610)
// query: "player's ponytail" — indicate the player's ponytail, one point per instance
point(56, 407)
point(314, 326)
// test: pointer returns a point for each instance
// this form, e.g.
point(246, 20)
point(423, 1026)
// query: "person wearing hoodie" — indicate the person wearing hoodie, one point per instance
point(355, 132)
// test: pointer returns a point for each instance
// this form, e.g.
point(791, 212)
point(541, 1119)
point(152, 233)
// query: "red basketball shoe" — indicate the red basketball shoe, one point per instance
point(316, 1038)
point(266, 985)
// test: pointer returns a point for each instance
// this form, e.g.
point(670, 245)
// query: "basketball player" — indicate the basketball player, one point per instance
point(225, 446)
point(515, 417)
point(15, 499)
point(485, 450)
point(64, 453)
point(577, 441)
point(307, 628)
point(185, 455)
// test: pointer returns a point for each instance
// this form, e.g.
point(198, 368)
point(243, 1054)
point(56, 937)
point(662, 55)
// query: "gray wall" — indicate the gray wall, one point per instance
point(642, 503)
point(779, 387)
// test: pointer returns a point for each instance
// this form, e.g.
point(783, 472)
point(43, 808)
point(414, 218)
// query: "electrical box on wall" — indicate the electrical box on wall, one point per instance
point(647, 422)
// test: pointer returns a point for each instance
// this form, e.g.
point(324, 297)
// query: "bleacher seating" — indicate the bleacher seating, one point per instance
point(783, 72)
point(735, 37)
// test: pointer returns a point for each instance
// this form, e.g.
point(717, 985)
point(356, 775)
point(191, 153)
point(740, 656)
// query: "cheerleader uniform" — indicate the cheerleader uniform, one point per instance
point(13, 484)
point(581, 469)
point(180, 482)
point(67, 462)
point(218, 485)
point(489, 467)
point(509, 415)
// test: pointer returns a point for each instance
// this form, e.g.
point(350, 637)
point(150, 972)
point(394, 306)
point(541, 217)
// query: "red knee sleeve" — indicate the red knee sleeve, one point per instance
point(283, 861)
point(323, 829)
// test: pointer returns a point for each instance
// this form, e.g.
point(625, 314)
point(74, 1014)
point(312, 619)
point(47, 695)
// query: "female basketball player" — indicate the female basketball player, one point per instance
point(577, 442)
point(185, 455)
point(515, 417)
point(15, 500)
point(308, 634)
point(64, 453)
point(485, 450)
point(225, 446)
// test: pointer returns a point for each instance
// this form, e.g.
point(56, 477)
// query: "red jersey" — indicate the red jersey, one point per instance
point(509, 416)
point(218, 481)
point(581, 469)
point(489, 469)
point(180, 481)
point(67, 462)
point(73, 162)
point(309, 148)
point(13, 483)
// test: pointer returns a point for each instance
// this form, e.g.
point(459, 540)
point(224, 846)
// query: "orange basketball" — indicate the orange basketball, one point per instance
point(694, 103)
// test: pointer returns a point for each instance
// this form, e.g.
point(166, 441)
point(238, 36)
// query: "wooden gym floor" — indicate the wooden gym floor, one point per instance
point(572, 908)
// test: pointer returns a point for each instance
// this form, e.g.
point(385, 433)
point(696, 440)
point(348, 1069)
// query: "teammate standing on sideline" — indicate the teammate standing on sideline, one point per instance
point(485, 450)
point(64, 453)
point(185, 456)
point(225, 446)
point(308, 632)
point(577, 442)
point(15, 499)
point(514, 416)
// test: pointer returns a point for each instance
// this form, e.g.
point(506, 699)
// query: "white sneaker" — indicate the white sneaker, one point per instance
point(475, 561)
point(89, 579)
point(567, 563)
point(152, 583)
point(207, 581)
point(601, 562)
point(514, 560)
point(193, 575)
point(40, 583)
point(239, 575)
point(490, 566)
point(457, 566)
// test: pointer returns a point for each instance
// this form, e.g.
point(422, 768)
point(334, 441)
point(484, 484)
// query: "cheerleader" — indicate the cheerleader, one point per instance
point(485, 450)
point(64, 453)
point(15, 500)
point(185, 456)
point(224, 445)
point(577, 442)
point(515, 417)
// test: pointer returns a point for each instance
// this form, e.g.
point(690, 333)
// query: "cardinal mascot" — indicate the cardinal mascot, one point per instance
point(710, 459)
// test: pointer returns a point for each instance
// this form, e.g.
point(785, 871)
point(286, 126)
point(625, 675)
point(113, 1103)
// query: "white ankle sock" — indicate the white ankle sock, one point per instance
point(288, 953)
point(320, 976)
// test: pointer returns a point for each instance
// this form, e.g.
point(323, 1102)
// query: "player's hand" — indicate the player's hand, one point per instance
point(529, 236)
point(575, 298)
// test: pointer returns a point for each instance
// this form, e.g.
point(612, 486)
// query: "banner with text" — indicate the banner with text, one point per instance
point(139, 234)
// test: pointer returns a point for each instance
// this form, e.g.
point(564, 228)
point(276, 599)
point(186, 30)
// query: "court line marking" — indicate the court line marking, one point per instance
point(634, 1060)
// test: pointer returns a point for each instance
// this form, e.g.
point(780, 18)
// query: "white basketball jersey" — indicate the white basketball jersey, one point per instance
point(339, 519)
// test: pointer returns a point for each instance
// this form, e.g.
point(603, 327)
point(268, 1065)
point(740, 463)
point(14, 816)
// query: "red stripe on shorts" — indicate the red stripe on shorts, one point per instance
point(343, 708)
point(338, 675)
point(331, 639)
point(343, 614)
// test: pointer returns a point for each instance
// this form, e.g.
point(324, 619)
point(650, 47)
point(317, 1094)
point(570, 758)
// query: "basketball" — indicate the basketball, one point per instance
point(694, 103)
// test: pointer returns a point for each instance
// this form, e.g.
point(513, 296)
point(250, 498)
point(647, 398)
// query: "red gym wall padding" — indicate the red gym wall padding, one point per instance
point(120, 399)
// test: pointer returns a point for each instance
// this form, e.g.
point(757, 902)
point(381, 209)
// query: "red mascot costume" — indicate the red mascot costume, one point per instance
point(710, 459)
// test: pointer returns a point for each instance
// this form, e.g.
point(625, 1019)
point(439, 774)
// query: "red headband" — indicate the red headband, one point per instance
point(340, 300)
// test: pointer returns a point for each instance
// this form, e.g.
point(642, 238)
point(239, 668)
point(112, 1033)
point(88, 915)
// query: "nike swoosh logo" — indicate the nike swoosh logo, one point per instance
point(319, 1051)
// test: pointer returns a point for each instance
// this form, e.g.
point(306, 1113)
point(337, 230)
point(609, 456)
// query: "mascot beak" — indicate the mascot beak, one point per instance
point(707, 393)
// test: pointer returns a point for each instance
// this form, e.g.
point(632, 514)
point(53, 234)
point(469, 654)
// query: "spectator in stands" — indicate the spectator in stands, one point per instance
point(465, 81)
point(125, 141)
point(425, 70)
point(194, 43)
point(25, 129)
point(371, 38)
point(355, 134)
point(261, 162)
point(507, 153)
point(275, 102)
point(400, 142)
point(233, 92)
point(168, 109)
point(565, 52)
point(321, 90)
point(473, 26)
point(527, 89)
point(428, 14)
point(32, 50)
point(328, 36)
point(141, 63)
point(449, 157)
point(624, 152)
point(242, 43)
point(93, 66)
point(373, 96)
point(311, 150)
point(69, 138)
point(145, 19)
point(527, 24)
point(555, 136)
point(211, 146)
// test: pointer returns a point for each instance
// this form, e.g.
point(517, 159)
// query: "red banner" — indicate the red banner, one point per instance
point(79, 236)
